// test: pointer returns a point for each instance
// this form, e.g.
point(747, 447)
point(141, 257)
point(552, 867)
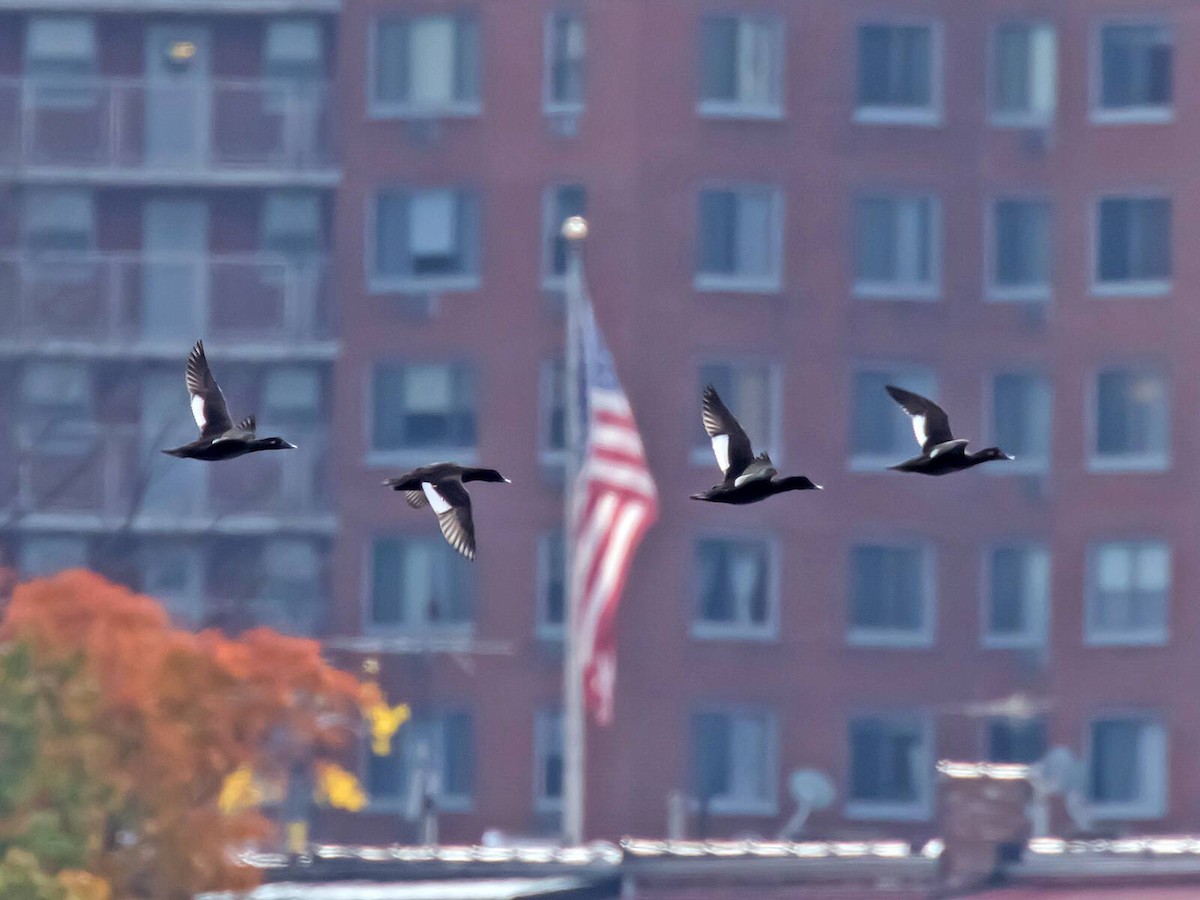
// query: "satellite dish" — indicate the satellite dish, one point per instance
point(1060, 772)
point(812, 790)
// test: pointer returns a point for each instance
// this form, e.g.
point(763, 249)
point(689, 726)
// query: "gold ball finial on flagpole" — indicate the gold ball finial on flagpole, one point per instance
point(575, 228)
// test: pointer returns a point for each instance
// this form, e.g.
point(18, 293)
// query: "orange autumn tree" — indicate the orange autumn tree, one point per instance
point(134, 727)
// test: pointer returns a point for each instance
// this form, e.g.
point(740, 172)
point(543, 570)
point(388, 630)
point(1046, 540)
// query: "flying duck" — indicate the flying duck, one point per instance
point(219, 437)
point(748, 478)
point(440, 486)
point(941, 452)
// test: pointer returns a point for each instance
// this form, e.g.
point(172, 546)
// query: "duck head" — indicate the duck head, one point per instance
point(989, 453)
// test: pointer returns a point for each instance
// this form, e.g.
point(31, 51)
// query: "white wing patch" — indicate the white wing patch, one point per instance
point(436, 500)
point(948, 447)
point(918, 423)
point(198, 410)
point(720, 444)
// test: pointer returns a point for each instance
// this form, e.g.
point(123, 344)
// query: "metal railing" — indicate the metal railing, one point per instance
point(168, 126)
point(129, 298)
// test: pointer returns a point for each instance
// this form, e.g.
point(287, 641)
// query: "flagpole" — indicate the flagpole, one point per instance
point(574, 230)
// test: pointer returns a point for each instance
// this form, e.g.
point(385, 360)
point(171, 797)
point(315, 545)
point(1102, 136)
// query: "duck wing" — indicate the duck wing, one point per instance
point(248, 425)
point(452, 505)
point(208, 403)
point(930, 423)
point(730, 444)
point(416, 499)
point(760, 469)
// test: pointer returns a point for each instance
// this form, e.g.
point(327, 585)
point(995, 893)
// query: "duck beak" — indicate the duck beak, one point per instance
point(1006, 456)
point(819, 487)
point(506, 481)
point(290, 446)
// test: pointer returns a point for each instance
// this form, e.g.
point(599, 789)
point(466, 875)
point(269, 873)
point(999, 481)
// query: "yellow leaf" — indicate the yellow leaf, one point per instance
point(385, 721)
point(338, 788)
point(239, 791)
point(81, 885)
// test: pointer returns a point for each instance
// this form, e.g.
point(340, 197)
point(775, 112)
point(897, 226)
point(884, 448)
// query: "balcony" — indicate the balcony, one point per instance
point(134, 131)
point(259, 305)
point(105, 477)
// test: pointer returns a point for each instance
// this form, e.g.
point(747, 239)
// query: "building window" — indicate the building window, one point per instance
point(899, 74)
point(48, 555)
point(432, 761)
point(426, 240)
point(57, 220)
point(1016, 740)
point(60, 62)
point(735, 761)
point(426, 66)
point(559, 203)
point(174, 574)
point(1018, 596)
point(57, 413)
point(1129, 587)
point(897, 247)
point(1021, 404)
point(741, 67)
point(566, 51)
point(552, 585)
point(294, 62)
point(891, 758)
point(1133, 425)
point(548, 760)
point(1024, 82)
point(418, 586)
point(423, 406)
point(289, 597)
point(891, 596)
point(741, 239)
point(881, 433)
point(291, 224)
point(1127, 768)
point(736, 592)
point(1133, 245)
point(751, 391)
point(1021, 250)
point(1135, 73)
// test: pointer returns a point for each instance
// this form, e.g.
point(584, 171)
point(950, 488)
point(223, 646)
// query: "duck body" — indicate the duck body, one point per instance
point(440, 486)
point(755, 489)
point(941, 452)
point(228, 447)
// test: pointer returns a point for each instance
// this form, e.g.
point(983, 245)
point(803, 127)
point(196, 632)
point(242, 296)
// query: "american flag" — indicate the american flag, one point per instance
point(613, 500)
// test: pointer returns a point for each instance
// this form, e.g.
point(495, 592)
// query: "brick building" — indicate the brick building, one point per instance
point(799, 202)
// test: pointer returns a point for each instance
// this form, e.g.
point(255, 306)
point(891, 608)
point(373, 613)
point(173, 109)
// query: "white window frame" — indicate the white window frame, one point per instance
point(733, 109)
point(995, 292)
point(739, 806)
point(550, 106)
point(1155, 778)
point(919, 810)
point(1159, 461)
point(421, 284)
point(869, 289)
point(718, 283)
point(1138, 115)
point(768, 631)
point(411, 456)
point(544, 629)
point(923, 638)
point(1145, 287)
point(543, 742)
point(386, 109)
point(701, 453)
point(900, 374)
point(928, 116)
point(1025, 119)
point(1158, 636)
point(1023, 464)
point(1037, 625)
point(446, 803)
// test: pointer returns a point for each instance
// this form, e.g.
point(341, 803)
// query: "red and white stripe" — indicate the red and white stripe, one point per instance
point(615, 502)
